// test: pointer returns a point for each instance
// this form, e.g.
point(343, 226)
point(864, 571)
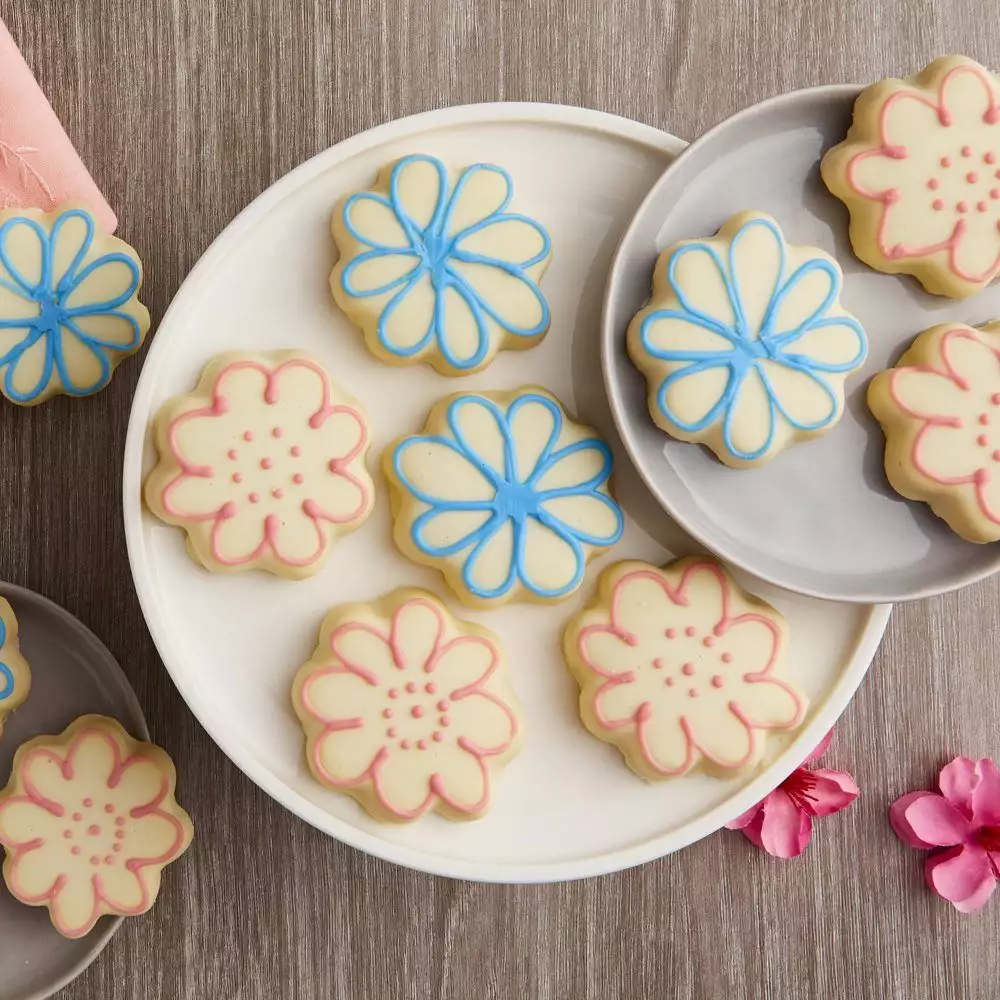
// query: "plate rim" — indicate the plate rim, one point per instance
point(15, 592)
point(618, 405)
point(867, 639)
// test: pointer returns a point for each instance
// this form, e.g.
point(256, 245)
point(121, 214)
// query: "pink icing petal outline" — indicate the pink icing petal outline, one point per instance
point(891, 196)
point(642, 717)
point(338, 466)
point(18, 851)
point(981, 477)
point(371, 774)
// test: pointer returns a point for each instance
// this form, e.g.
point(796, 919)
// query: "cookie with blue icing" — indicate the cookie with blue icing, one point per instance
point(504, 494)
point(69, 310)
point(435, 267)
point(744, 344)
point(15, 675)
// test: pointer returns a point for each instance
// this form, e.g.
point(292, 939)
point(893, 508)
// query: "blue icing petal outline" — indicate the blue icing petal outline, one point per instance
point(437, 250)
point(750, 347)
point(6, 674)
point(516, 499)
point(55, 319)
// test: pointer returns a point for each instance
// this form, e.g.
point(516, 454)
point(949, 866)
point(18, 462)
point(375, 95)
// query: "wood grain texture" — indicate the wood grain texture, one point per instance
point(185, 110)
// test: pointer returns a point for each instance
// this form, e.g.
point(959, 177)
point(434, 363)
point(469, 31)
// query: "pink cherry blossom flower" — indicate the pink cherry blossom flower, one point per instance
point(781, 823)
point(964, 820)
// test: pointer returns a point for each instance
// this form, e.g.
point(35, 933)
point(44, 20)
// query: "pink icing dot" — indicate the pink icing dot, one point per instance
point(982, 440)
point(962, 207)
point(391, 732)
point(437, 736)
point(934, 184)
point(393, 692)
point(657, 664)
point(718, 630)
point(421, 744)
point(692, 692)
point(718, 681)
point(237, 477)
point(248, 435)
point(995, 399)
point(937, 204)
point(87, 803)
point(995, 193)
point(444, 721)
point(93, 830)
point(688, 669)
point(981, 206)
point(298, 479)
point(68, 834)
point(670, 633)
point(690, 630)
point(254, 498)
point(77, 817)
point(277, 432)
point(966, 151)
point(266, 463)
point(709, 640)
point(727, 657)
point(94, 859)
point(109, 860)
point(417, 711)
point(984, 418)
point(120, 821)
point(233, 454)
point(972, 177)
point(945, 161)
point(989, 157)
point(386, 713)
point(443, 705)
point(116, 848)
point(295, 451)
point(669, 682)
point(76, 850)
point(404, 744)
point(430, 687)
point(277, 493)
point(411, 687)
point(996, 456)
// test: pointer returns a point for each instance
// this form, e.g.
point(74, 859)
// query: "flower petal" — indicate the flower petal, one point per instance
point(298, 539)
point(407, 323)
point(482, 723)
point(461, 779)
point(673, 336)
point(141, 782)
point(534, 424)
point(379, 272)
point(822, 747)
point(238, 538)
point(767, 703)
point(943, 454)
point(976, 253)
point(481, 431)
point(550, 563)
point(196, 496)
point(75, 908)
point(482, 190)
point(152, 837)
point(744, 819)
point(593, 518)
point(365, 650)
point(756, 264)
point(512, 239)
point(344, 756)
point(976, 363)
point(808, 293)
point(607, 653)
point(908, 120)
point(832, 791)
point(70, 239)
point(901, 825)
point(510, 299)
point(578, 468)
point(697, 275)
point(462, 663)
point(336, 497)
point(22, 252)
point(986, 795)
point(462, 335)
point(403, 781)
point(748, 428)
point(804, 399)
point(962, 875)
point(82, 368)
point(94, 758)
point(23, 820)
point(336, 695)
point(934, 820)
point(836, 344)
point(443, 532)
point(619, 703)
point(116, 330)
point(370, 219)
point(123, 890)
point(30, 371)
point(927, 394)
point(436, 471)
point(786, 830)
point(663, 742)
point(968, 97)
point(491, 567)
point(418, 188)
point(417, 627)
point(104, 284)
point(693, 396)
point(722, 737)
point(33, 873)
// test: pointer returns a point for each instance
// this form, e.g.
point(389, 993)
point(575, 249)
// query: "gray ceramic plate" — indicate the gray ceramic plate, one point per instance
point(72, 674)
point(821, 518)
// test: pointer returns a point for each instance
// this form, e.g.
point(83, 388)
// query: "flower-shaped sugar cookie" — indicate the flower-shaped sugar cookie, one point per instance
point(407, 708)
point(940, 410)
point(438, 271)
point(920, 173)
point(68, 306)
point(743, 343)
point(505, 495)
point(679, 666)
point(263, 465)
point(15, 675)
point(88, 822)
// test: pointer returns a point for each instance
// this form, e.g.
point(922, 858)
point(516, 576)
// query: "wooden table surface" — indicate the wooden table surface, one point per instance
point(184, 111)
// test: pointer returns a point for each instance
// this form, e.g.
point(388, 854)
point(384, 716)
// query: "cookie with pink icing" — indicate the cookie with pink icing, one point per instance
point(263, 465)
point(920, 173)
point(407, 708)
point(15, 674)
point(88, 822)
point(680, 667)
point(940, 410)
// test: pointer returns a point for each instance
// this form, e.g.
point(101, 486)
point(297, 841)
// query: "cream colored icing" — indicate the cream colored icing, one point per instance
point(15, 675)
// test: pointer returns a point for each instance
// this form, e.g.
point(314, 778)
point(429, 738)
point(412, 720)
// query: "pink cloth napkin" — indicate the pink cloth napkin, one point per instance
point(39, 168)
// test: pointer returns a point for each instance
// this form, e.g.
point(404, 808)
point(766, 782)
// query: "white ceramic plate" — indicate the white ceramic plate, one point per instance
point(821, 518)
point(567, 806)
